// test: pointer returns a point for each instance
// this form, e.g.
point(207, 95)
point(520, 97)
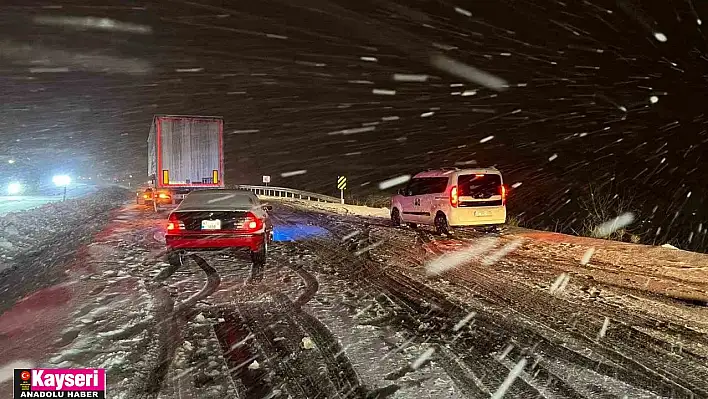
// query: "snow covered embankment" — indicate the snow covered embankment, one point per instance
point(29, 232)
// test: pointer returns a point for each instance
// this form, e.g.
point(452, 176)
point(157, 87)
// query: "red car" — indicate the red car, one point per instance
point(216, 219)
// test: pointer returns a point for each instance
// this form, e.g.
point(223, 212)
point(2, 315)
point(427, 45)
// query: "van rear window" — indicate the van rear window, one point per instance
point(479, 186)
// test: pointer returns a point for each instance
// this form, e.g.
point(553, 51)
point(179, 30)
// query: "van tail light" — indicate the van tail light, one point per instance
point(252, 223)
point(163, 196)
point(454, 198)
point(502, 191)
point(174, 224)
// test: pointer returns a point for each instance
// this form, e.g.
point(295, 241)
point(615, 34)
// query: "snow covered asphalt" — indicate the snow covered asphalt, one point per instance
point(350, 307)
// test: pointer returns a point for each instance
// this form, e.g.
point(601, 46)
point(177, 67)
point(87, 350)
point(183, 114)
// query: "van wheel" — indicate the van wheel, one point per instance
point(494, 229)
point(395, 217)
point(441, 226)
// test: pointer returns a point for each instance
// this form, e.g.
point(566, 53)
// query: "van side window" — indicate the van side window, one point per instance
point(437, 185)
point(426, 185)
point(413, 187)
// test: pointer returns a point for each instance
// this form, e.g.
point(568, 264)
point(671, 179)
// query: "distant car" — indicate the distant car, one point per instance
point(146, 196)
point(447, 198)
point(215, 219)
point(143, 196)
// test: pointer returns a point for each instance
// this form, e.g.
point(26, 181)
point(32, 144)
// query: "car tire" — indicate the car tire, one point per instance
point(412, 225)
point(258, 259)
point(395, 217)
point(441, 226)
point(174, 258)
point(260, 255)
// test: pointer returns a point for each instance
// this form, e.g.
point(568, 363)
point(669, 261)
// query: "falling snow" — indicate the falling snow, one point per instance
point(293, 173)
point(587, 255)
point(458, 258)
point(587, 104)
point(513, 374)
point(488, 138)
point(610, 226)
point(384, 92)
point(417, 363)
point(402, 77)
point(396, 181)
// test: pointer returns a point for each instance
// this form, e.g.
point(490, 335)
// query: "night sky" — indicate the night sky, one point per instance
point(602, 93)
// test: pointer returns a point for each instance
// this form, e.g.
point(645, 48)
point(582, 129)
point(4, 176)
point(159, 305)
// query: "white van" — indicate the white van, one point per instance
point(446, 198)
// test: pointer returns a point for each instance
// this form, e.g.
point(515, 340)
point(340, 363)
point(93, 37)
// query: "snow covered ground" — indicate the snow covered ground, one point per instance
point(24, 232)
point(18, 203)
point(351, 307)
point(344, 209)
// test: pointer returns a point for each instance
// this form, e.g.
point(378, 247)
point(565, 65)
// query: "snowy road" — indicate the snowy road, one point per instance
point(350, 307)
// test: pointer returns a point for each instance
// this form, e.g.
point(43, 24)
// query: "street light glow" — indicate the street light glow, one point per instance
point(14, 188)
point(61, 180)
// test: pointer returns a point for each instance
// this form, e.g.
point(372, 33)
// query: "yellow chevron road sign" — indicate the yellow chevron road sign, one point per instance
point(342, 183)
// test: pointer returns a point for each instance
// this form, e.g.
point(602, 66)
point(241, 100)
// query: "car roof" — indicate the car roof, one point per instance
point(455, 171)
point(218, 200)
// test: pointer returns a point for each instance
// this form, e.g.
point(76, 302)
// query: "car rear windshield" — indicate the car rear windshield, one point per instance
point(229, 220)
point(218, 199)
point(479, 186)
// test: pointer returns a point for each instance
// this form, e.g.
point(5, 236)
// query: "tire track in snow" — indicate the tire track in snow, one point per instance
point(627, 369)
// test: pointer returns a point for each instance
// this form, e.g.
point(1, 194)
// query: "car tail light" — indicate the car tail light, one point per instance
point(252, 223)
point(146, 196)
point(454, 199)
point(163, 196)
point(174, 224)
point(502, 191)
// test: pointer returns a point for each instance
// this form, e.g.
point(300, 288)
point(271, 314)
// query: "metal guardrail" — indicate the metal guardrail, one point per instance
point(283, 192)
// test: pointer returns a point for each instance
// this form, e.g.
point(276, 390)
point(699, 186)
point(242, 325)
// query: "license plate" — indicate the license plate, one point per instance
point(483, 213)
point(180, 196)
point(211, 224)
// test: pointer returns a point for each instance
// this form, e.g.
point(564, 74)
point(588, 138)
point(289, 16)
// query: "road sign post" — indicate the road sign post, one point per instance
point(342, 185)
point(266, 180)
